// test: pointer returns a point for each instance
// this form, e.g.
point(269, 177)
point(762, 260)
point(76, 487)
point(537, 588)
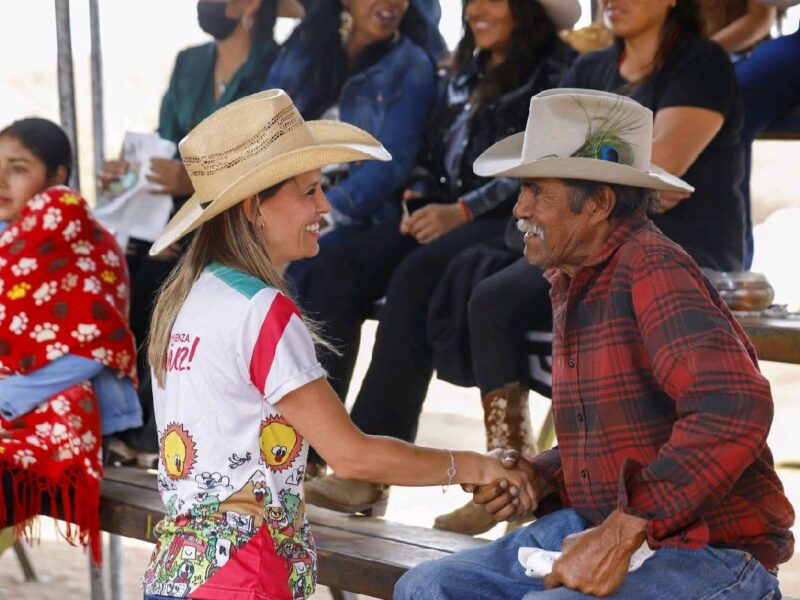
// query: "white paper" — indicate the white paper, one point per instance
point(538, 562)
point(136, 212)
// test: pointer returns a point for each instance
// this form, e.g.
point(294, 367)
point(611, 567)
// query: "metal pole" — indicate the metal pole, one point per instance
point(98, 123)
point(116, 565)
point(66, 83)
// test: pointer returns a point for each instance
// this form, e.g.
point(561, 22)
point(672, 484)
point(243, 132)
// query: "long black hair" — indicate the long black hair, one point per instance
point(534, 32)
point(45, 140)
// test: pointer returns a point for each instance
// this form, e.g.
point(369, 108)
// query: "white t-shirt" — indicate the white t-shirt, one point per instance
point(232, 467)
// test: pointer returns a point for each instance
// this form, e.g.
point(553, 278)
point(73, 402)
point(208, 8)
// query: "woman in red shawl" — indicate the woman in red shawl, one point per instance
point(65, 344)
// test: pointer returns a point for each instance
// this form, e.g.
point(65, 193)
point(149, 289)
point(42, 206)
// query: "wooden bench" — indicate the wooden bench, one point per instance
point(774, 339)
point(359, 554)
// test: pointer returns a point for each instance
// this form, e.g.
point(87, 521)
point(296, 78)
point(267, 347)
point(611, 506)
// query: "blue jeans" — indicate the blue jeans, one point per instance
point(770, 82)
point(492, 571)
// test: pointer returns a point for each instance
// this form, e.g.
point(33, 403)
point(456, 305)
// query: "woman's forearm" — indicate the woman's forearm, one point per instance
point(382, 459)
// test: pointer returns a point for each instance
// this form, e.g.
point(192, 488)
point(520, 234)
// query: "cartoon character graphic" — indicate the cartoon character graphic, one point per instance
point(280, 443)
point(207, 506)
point(209, 481)
point(185, 572)
point(277, 520)
point(293, 505)
point(178, 452)
point(261, 491)
point(243, 523)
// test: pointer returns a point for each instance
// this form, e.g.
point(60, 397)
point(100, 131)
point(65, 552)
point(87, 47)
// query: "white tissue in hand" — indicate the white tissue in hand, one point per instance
point(538, 562)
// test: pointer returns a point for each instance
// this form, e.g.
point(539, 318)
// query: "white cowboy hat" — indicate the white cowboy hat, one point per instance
point(565, 13)
point(252, 144)
point(291, 9)
point(582, 134)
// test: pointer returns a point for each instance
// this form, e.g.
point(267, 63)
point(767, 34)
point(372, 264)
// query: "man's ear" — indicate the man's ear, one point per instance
point(602, 203)
point(60, 177)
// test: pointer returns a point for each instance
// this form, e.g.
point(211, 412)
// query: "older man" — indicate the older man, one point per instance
point(660, 410)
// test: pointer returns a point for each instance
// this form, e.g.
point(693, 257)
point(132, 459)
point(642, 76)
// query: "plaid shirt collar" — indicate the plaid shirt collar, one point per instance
point(621, 233)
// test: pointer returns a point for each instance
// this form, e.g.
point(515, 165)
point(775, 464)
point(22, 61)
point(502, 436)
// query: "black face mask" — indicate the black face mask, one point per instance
point(212, 19)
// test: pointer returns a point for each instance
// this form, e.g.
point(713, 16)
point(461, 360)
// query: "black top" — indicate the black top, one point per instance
point(709, 225)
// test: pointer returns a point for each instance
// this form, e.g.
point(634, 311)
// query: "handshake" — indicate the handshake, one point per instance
point(516, 489)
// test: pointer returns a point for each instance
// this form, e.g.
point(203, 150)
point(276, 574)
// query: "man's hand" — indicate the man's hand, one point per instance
point(669, 200)
point(595, 561)
point(169, 177)
point(432, 221)
point(500, 499)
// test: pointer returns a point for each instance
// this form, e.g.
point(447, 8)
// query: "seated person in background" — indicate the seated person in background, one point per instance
point(509, 52)
point(67, 356)
point(490, 297)
point(238, 411)
point(660, 410)
point(769, 78)
point(363, 63)
point(737, 25)
point(204, 78)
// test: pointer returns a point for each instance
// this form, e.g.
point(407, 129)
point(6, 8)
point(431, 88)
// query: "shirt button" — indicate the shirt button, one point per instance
point(579, 416)
point(443, 180)
point(584, 473)
point(571, 363)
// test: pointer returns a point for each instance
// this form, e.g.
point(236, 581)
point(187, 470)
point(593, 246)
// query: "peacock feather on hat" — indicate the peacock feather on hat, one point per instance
point(605, 136)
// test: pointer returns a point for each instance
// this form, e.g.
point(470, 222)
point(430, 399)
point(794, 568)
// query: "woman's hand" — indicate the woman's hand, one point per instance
point(510, 494)
point(170, 177)
point(433, 221)
point(501, 497)
point(111, 172)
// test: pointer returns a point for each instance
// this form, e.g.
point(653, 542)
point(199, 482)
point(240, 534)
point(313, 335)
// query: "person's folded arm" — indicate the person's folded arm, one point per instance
point(490, 195)
point(749, 29)
point(370, 183)
point(723, 404)
point(548, 466)
point(20, 394)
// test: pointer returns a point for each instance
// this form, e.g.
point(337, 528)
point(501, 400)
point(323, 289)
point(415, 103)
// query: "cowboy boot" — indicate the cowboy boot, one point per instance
point(347, 495)
point(507, 422)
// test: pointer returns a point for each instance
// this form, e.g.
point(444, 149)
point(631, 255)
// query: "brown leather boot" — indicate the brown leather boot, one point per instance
point(347, 495)
point(507, 421)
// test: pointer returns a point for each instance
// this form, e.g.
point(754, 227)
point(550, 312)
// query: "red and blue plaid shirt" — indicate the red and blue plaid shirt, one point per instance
point(659, 406)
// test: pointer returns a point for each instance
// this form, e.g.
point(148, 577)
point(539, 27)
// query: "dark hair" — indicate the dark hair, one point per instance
point(319, 30)
point(45, 140)
point(629, 199)
point(684, 20)
point(534, 31)
point(265, 19)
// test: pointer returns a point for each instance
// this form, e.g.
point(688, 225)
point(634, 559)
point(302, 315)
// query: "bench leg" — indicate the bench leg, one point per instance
point(96, 581)
point(25, 562)
point(337, 594)
point(116, 567)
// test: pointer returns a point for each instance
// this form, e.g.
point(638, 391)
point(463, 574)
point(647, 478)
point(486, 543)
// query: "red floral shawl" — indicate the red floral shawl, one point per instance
point(64, 288)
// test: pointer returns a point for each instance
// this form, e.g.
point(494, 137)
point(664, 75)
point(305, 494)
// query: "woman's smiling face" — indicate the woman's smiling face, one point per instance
point(491, 23)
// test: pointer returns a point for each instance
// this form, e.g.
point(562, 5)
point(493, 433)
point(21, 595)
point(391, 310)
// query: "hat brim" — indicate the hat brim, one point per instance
point(503, 159)
point(336, 143)
point(291, 9)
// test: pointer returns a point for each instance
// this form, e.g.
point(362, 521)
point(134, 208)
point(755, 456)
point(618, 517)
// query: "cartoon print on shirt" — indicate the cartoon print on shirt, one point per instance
point(178, 452)
point(278, 521)
point(210, 481)
point(280, 443)
point(206, 506)
point(297, 476)
point(235, 461)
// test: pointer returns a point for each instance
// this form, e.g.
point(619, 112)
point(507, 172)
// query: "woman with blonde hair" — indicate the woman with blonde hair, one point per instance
point(240, 392)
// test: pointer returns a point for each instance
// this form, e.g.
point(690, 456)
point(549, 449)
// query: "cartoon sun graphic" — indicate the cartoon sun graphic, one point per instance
point(177, 451)
point(280, 444)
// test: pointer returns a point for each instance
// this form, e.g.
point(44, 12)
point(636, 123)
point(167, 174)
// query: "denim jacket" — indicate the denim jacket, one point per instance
point(459, 133)
point(392, 100)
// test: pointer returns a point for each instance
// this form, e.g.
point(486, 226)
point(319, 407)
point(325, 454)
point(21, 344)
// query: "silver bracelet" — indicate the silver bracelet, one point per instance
point(451, 471)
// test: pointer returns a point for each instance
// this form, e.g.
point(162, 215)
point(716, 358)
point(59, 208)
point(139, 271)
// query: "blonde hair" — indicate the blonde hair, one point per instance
point(229, 239)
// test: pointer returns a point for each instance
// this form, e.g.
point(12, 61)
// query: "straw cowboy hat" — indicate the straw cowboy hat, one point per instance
point(252, 144)
point(291, 8)
point(582, 134)
point(565, 13)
